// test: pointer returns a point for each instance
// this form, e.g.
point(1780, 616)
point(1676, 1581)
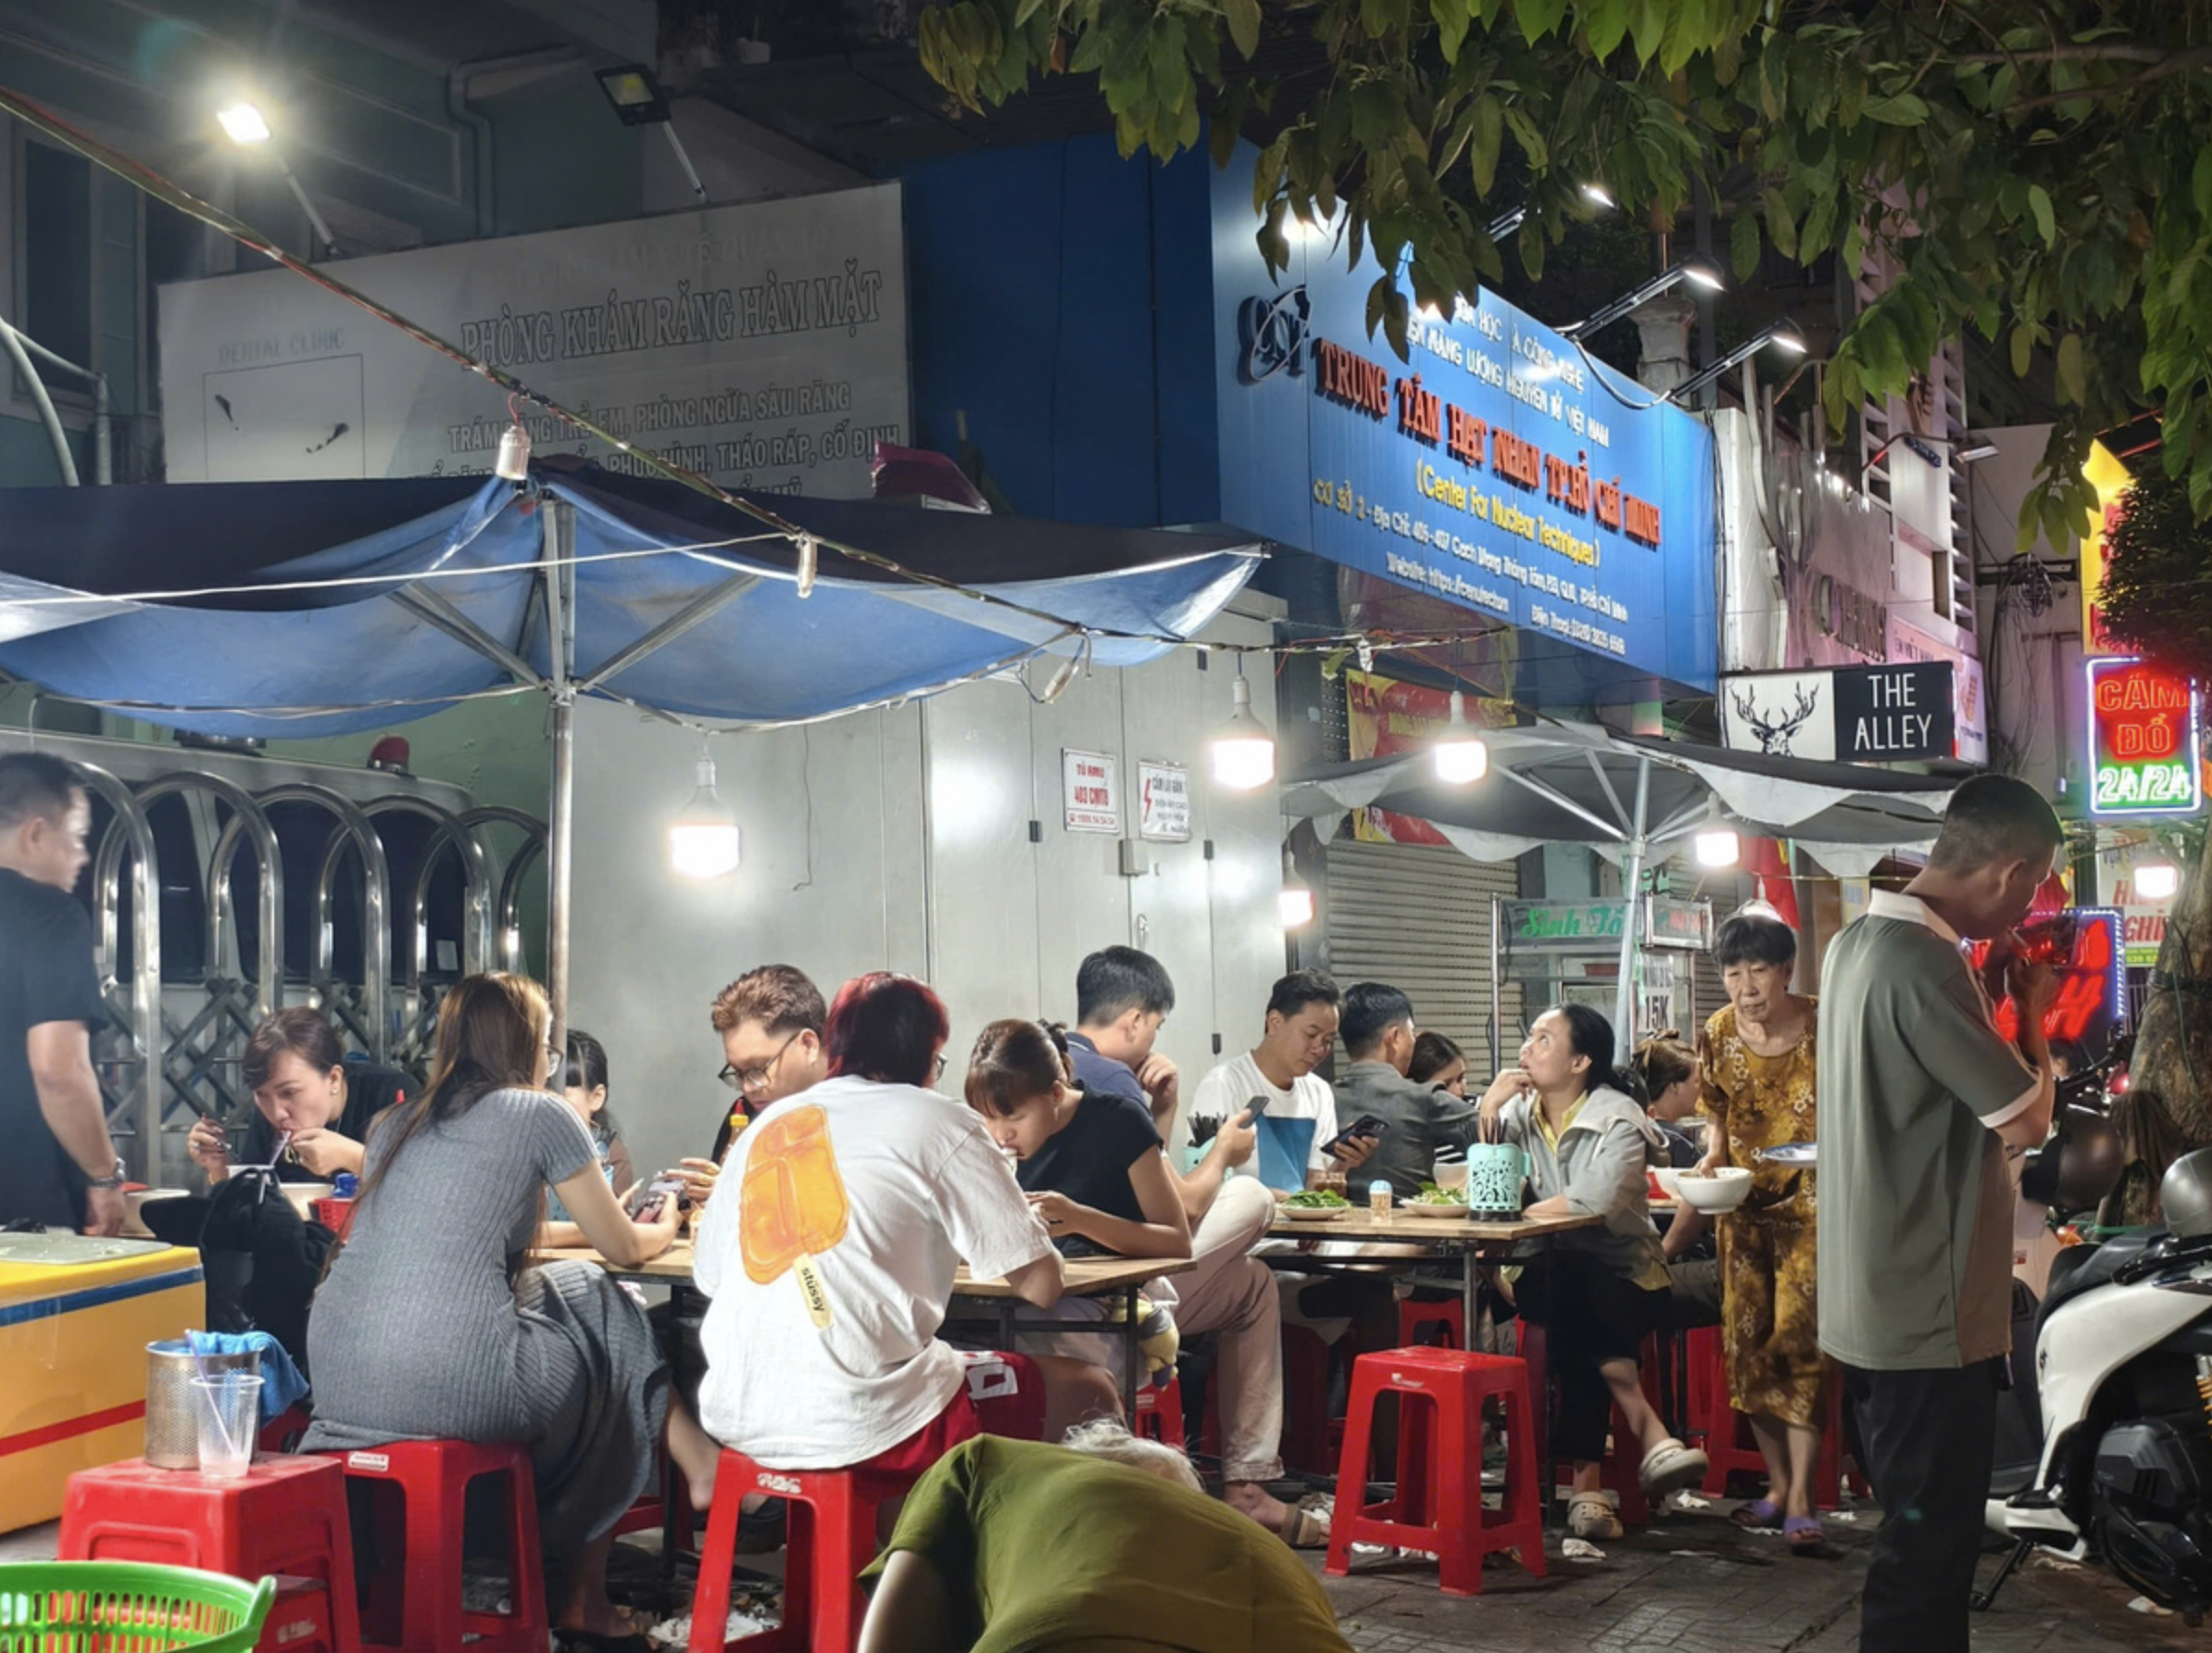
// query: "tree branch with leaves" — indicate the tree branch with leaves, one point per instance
point(2039, 174)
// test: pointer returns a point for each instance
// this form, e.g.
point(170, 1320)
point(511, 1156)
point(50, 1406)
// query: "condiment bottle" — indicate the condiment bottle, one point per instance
point(1378, 1197)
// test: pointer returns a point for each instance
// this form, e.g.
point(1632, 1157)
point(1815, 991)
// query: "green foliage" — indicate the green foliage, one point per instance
point(2158, 577)
point(2041, 174)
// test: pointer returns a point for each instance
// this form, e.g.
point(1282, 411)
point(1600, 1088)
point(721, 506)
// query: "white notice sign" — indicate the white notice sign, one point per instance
point(1090, 792)
point(762, 344)
point(1163, 802)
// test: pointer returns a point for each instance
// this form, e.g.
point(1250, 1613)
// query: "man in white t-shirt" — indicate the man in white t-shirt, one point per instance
point(858, 1199)
point(1295, 1041)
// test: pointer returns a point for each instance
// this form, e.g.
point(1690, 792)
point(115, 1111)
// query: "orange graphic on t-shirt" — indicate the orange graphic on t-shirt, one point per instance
point(792, 1202)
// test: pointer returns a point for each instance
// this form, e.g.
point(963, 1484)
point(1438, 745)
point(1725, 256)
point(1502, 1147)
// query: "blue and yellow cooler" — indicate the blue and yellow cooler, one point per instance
point(76, 1315)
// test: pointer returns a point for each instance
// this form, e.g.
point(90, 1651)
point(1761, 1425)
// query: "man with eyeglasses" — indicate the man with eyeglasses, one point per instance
point(769, 1020)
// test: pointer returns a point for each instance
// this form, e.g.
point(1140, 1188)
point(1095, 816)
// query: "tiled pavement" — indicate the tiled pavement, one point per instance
point(1693, 1583)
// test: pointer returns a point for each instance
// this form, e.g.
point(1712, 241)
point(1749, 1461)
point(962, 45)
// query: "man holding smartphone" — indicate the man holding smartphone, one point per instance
point(1415, 1122)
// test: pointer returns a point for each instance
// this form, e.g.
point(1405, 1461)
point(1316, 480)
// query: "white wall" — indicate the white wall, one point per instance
point(921, 861)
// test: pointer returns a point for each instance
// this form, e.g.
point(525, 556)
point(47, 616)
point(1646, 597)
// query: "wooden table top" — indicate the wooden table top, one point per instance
point(1085, 1277)
point(1358, 1223)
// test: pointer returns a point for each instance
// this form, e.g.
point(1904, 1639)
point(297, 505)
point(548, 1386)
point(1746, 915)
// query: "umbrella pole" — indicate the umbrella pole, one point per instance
point(1624, 997)
point(560, 837)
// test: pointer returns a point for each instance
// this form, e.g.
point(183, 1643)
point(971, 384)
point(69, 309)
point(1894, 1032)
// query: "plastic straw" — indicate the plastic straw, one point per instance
point(210, 1390)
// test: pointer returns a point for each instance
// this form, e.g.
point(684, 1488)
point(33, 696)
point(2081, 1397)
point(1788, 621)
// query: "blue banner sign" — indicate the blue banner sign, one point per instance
point(1498, 467)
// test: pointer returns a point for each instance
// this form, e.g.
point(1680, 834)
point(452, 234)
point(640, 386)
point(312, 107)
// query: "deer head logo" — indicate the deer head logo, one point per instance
point(1774, 732)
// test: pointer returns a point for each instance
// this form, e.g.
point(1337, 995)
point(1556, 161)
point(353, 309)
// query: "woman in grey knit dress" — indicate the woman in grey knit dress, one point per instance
point(429, 1328)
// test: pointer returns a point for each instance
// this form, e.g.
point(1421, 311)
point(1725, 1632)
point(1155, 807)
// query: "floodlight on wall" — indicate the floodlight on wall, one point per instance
point(1783, 335)
point(1966, 450)
point(638, 100)
point(1701, 274)
point(2158, 880)
point(703, 841)
point(1243, 752)
point(1462, 756)
point(1506, 222)
point(246, 126)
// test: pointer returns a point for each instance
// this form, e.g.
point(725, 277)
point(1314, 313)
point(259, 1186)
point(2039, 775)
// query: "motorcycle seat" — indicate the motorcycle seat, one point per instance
point(2081, 1268)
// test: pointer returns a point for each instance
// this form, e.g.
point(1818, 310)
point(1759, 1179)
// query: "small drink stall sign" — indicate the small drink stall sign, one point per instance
point(2083, 946)
point(2143, 740)
point(1090, 789)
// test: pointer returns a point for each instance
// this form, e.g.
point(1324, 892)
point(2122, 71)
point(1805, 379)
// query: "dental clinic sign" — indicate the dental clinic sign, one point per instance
point(1495, 466)
point(2143, 755)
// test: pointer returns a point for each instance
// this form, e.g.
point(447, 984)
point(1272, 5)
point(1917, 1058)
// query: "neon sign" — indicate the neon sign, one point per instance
point(2143, 740)
point(2083, 946)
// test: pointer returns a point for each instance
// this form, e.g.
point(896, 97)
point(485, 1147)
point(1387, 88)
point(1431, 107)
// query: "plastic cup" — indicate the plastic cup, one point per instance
point(1451, 1175)
point(227, 1406)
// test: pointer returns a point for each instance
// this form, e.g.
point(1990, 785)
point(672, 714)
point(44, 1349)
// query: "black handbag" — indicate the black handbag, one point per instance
point(262, 1263)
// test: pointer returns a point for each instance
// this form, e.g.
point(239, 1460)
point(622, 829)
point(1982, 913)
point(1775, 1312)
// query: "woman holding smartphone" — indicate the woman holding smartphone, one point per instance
point(1598, 1290)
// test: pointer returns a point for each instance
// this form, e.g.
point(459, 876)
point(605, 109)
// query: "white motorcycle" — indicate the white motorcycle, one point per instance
point(2123, 1368)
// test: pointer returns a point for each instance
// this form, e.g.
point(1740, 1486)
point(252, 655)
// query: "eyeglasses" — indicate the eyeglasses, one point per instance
point(937, 1071)
point(752, 1079)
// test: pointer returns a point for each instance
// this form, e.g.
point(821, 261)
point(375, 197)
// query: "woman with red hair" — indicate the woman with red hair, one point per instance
point(830, 1273)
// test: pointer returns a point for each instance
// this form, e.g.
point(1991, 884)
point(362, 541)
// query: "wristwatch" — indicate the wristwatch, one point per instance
point(110, 1183)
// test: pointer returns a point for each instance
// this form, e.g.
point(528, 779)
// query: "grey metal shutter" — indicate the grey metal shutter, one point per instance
point(1418, 917)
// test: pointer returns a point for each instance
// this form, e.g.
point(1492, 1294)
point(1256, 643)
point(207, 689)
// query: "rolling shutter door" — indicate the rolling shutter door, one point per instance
point(1418, 917)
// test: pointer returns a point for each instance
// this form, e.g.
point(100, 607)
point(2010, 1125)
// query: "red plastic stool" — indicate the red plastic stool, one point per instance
point(1159, 1412)
point(288, 1517)
point(1437, 1502)
point(282, 1432)
point(1451, 1315)
point(832, 1537)
point(431, 1479)
point(650, 1513)
point(1306, 1446)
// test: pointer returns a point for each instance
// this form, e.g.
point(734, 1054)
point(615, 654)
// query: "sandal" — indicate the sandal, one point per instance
point(1305, 1523)
point(1668, 1466)
point(1761, 1513)
point(1590, 1515)
point(1804, 1537)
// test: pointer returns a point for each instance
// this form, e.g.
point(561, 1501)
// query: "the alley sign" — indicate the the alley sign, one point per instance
point(1900, 712)
point(2143, 740)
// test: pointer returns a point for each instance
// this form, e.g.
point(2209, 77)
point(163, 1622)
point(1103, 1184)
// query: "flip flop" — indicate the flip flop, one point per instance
point(1804, 1537)
point(1760, 1512)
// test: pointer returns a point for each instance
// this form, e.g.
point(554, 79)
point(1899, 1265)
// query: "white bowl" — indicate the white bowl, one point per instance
point(1669, 1181)
point(303, 1195)
point(1724, 1190)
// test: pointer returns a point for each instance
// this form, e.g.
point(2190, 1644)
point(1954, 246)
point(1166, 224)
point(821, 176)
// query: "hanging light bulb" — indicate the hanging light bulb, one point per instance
point(809, 561)
point(1717, 846)
point(2158, 880)
point(1062, 678)
point(1462, 757)
point(1243, 750)
point(513, 463)
point(703, 841)
point(1295, 905)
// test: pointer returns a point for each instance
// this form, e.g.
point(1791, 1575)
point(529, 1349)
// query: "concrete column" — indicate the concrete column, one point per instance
point(1664, 325)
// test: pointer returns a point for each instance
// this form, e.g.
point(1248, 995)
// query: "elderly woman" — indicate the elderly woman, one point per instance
point(307, 1097)
point(1757, 1060)
point(429, 1327)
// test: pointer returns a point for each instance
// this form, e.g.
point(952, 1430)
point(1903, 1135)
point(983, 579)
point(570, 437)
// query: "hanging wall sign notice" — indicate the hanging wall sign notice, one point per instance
point(1854, 714)
point(1090, 792)
point(1493, 465)
point(2142, 741)
point(763, 346)
point(1163, 802)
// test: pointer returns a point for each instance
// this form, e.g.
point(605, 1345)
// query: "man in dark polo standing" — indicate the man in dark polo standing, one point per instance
point(60, 1167)
point(1920, 1102)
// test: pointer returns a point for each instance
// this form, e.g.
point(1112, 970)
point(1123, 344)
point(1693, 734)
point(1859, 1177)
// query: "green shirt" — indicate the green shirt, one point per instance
point(1039, 1547)
point(1915, 1205)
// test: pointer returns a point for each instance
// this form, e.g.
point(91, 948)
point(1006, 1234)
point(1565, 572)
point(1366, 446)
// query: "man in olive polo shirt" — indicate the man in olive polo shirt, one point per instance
point(1920, 1100)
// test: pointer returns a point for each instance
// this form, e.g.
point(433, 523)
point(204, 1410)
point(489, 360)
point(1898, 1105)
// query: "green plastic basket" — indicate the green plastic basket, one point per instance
point(127, 1606)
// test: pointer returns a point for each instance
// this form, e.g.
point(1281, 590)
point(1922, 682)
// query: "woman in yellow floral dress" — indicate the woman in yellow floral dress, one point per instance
point(1756, 1056)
